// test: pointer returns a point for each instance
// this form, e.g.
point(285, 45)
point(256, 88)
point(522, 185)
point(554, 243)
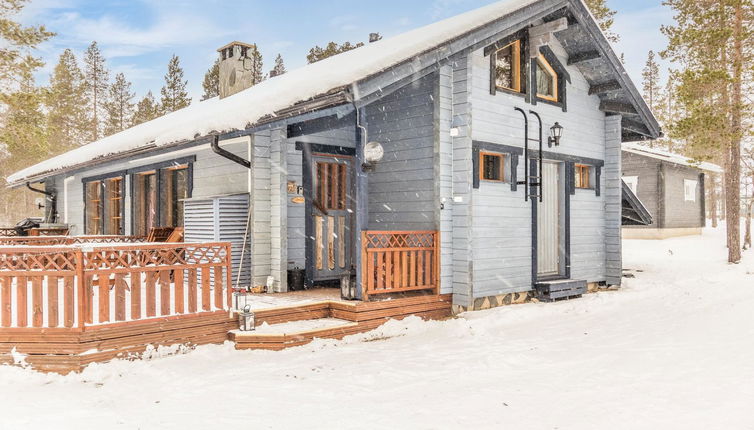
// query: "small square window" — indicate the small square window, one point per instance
point(508, 67)
point(581, 176)
point(491, 167)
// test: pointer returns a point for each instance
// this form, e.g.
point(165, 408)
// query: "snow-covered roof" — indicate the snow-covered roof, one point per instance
point(247, 107)
point(670, 157)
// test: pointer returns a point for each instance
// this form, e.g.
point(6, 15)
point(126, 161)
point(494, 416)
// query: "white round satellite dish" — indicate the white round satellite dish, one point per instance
point(373, 152)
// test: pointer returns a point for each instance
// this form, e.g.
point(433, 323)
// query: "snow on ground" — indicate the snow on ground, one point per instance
point(673, 349)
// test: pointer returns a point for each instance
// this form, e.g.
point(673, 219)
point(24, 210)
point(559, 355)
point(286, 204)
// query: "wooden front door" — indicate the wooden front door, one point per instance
point(549, 222)
point(331, 240)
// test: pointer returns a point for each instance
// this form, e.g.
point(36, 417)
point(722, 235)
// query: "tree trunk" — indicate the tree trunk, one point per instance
point(713, 200)
point(747, 235)
point(733, 177)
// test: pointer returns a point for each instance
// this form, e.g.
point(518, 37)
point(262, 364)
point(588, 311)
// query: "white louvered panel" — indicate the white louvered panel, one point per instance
point(221, 219)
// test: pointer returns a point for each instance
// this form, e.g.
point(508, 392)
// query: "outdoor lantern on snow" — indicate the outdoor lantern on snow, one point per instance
point(556, 132)
point(246, 319)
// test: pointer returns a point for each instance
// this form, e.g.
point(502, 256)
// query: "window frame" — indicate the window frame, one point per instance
point(104, 216)
point(694, 186)
point(502, 158)
point(583, 168)
point(547, 67)
point(516, 65)
point(158, 169)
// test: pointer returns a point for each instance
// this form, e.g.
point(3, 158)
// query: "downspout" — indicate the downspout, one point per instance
point(52, 214)
point(215, 145)
point(356, 291)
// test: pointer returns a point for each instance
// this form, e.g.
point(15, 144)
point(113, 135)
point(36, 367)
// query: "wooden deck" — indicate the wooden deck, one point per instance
point(357, 317)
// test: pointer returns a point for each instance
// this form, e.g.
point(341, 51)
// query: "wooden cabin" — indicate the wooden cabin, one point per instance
point(478, 157)
point(671, 187)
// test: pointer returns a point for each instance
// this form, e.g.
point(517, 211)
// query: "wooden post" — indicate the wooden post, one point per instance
point(364, 269)
point(80, 285)
point(228, 280)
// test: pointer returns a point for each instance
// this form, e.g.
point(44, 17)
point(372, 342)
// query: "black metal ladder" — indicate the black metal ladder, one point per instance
point(532, 182)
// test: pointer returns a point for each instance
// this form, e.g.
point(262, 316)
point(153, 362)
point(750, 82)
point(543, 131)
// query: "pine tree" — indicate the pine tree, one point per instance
point(605, 18)
point(279, 68)
point(211, 83)
point(173, 94)
point(119, 105)
point(650, 78)
point(66, 103)
point(96, 81)
point(16, 61)
point(318, 53)
point(712, 42)
point(146, 110)
point(257, 64)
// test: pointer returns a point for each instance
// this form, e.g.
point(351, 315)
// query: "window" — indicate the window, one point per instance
point(93, 203)
point(174, 183)
point(508, 67)
point(491, 167)
point(547, 80)
point(145, 202)
point(581, 176)
point(632, 182)
point(331, 186)
point(689, 190)
point(104, 206)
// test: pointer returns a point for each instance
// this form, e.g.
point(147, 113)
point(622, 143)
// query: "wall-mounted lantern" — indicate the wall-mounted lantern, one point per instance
point(556, 132)
point(373, 153)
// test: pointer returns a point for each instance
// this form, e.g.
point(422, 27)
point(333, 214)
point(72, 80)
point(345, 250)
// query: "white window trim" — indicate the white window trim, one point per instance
point(689, 190)
point(632, 182)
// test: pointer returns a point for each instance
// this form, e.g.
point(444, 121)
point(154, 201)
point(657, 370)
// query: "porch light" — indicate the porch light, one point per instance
point(373, 153)
point(556, 132)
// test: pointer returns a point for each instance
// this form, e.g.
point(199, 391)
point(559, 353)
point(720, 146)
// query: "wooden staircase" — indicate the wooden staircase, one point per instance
point(285, 327)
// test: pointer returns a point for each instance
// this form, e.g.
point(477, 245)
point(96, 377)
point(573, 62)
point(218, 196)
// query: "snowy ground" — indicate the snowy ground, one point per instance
point(673, 349)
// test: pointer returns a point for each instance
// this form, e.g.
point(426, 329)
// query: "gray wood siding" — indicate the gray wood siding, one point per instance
point(613, 201)
point(344, 137)
point(647, 170)
point(261, 251)
point(680, 213)
point(502, 219)
point(402, 186)
point(213, 175)
point(463, 261)
point(444, 145)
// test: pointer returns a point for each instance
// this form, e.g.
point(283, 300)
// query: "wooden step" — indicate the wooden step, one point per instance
point(560, 289)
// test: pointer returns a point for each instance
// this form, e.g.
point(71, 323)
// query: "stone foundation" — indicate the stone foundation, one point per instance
point(513, 299)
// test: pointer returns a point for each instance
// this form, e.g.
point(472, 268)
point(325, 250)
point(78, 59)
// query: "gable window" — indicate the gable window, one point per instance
point(547, 80)
point(689, 190)
point(632, 182)
point(491, 167)
point(508, 67)
point(158, 196)
point(581, 176)
point(103, 212)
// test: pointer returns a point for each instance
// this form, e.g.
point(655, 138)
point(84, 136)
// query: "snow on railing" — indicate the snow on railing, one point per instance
point(71, 287)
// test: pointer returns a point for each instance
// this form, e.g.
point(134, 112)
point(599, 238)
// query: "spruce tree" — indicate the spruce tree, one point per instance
point(650, 82)
point(712, 42)
point(16, 61)
point(173, 94)
point(211, 83)
point(257, 64)
point(119, 105)
point(318, 53)
point(66, 103)
point(96, 83)
point(146, 110)
point(279, 68)
point(605, 18)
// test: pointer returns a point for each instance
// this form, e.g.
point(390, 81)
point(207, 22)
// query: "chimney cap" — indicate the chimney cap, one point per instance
point(234, 43)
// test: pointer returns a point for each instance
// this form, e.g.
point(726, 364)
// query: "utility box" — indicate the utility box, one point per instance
point(222, 218)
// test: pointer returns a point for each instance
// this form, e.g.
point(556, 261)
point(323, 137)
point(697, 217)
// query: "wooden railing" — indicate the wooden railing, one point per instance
point(399, 261)
point(66, 240)
point(8, 232)
point(76, 287)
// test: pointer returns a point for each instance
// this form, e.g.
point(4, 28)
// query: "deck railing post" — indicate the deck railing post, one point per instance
point(229, 275)
point(80, 283)
point(437, 271)
point(364, 274)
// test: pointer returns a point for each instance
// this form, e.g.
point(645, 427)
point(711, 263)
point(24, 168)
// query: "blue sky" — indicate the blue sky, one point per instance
point(139, 36)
